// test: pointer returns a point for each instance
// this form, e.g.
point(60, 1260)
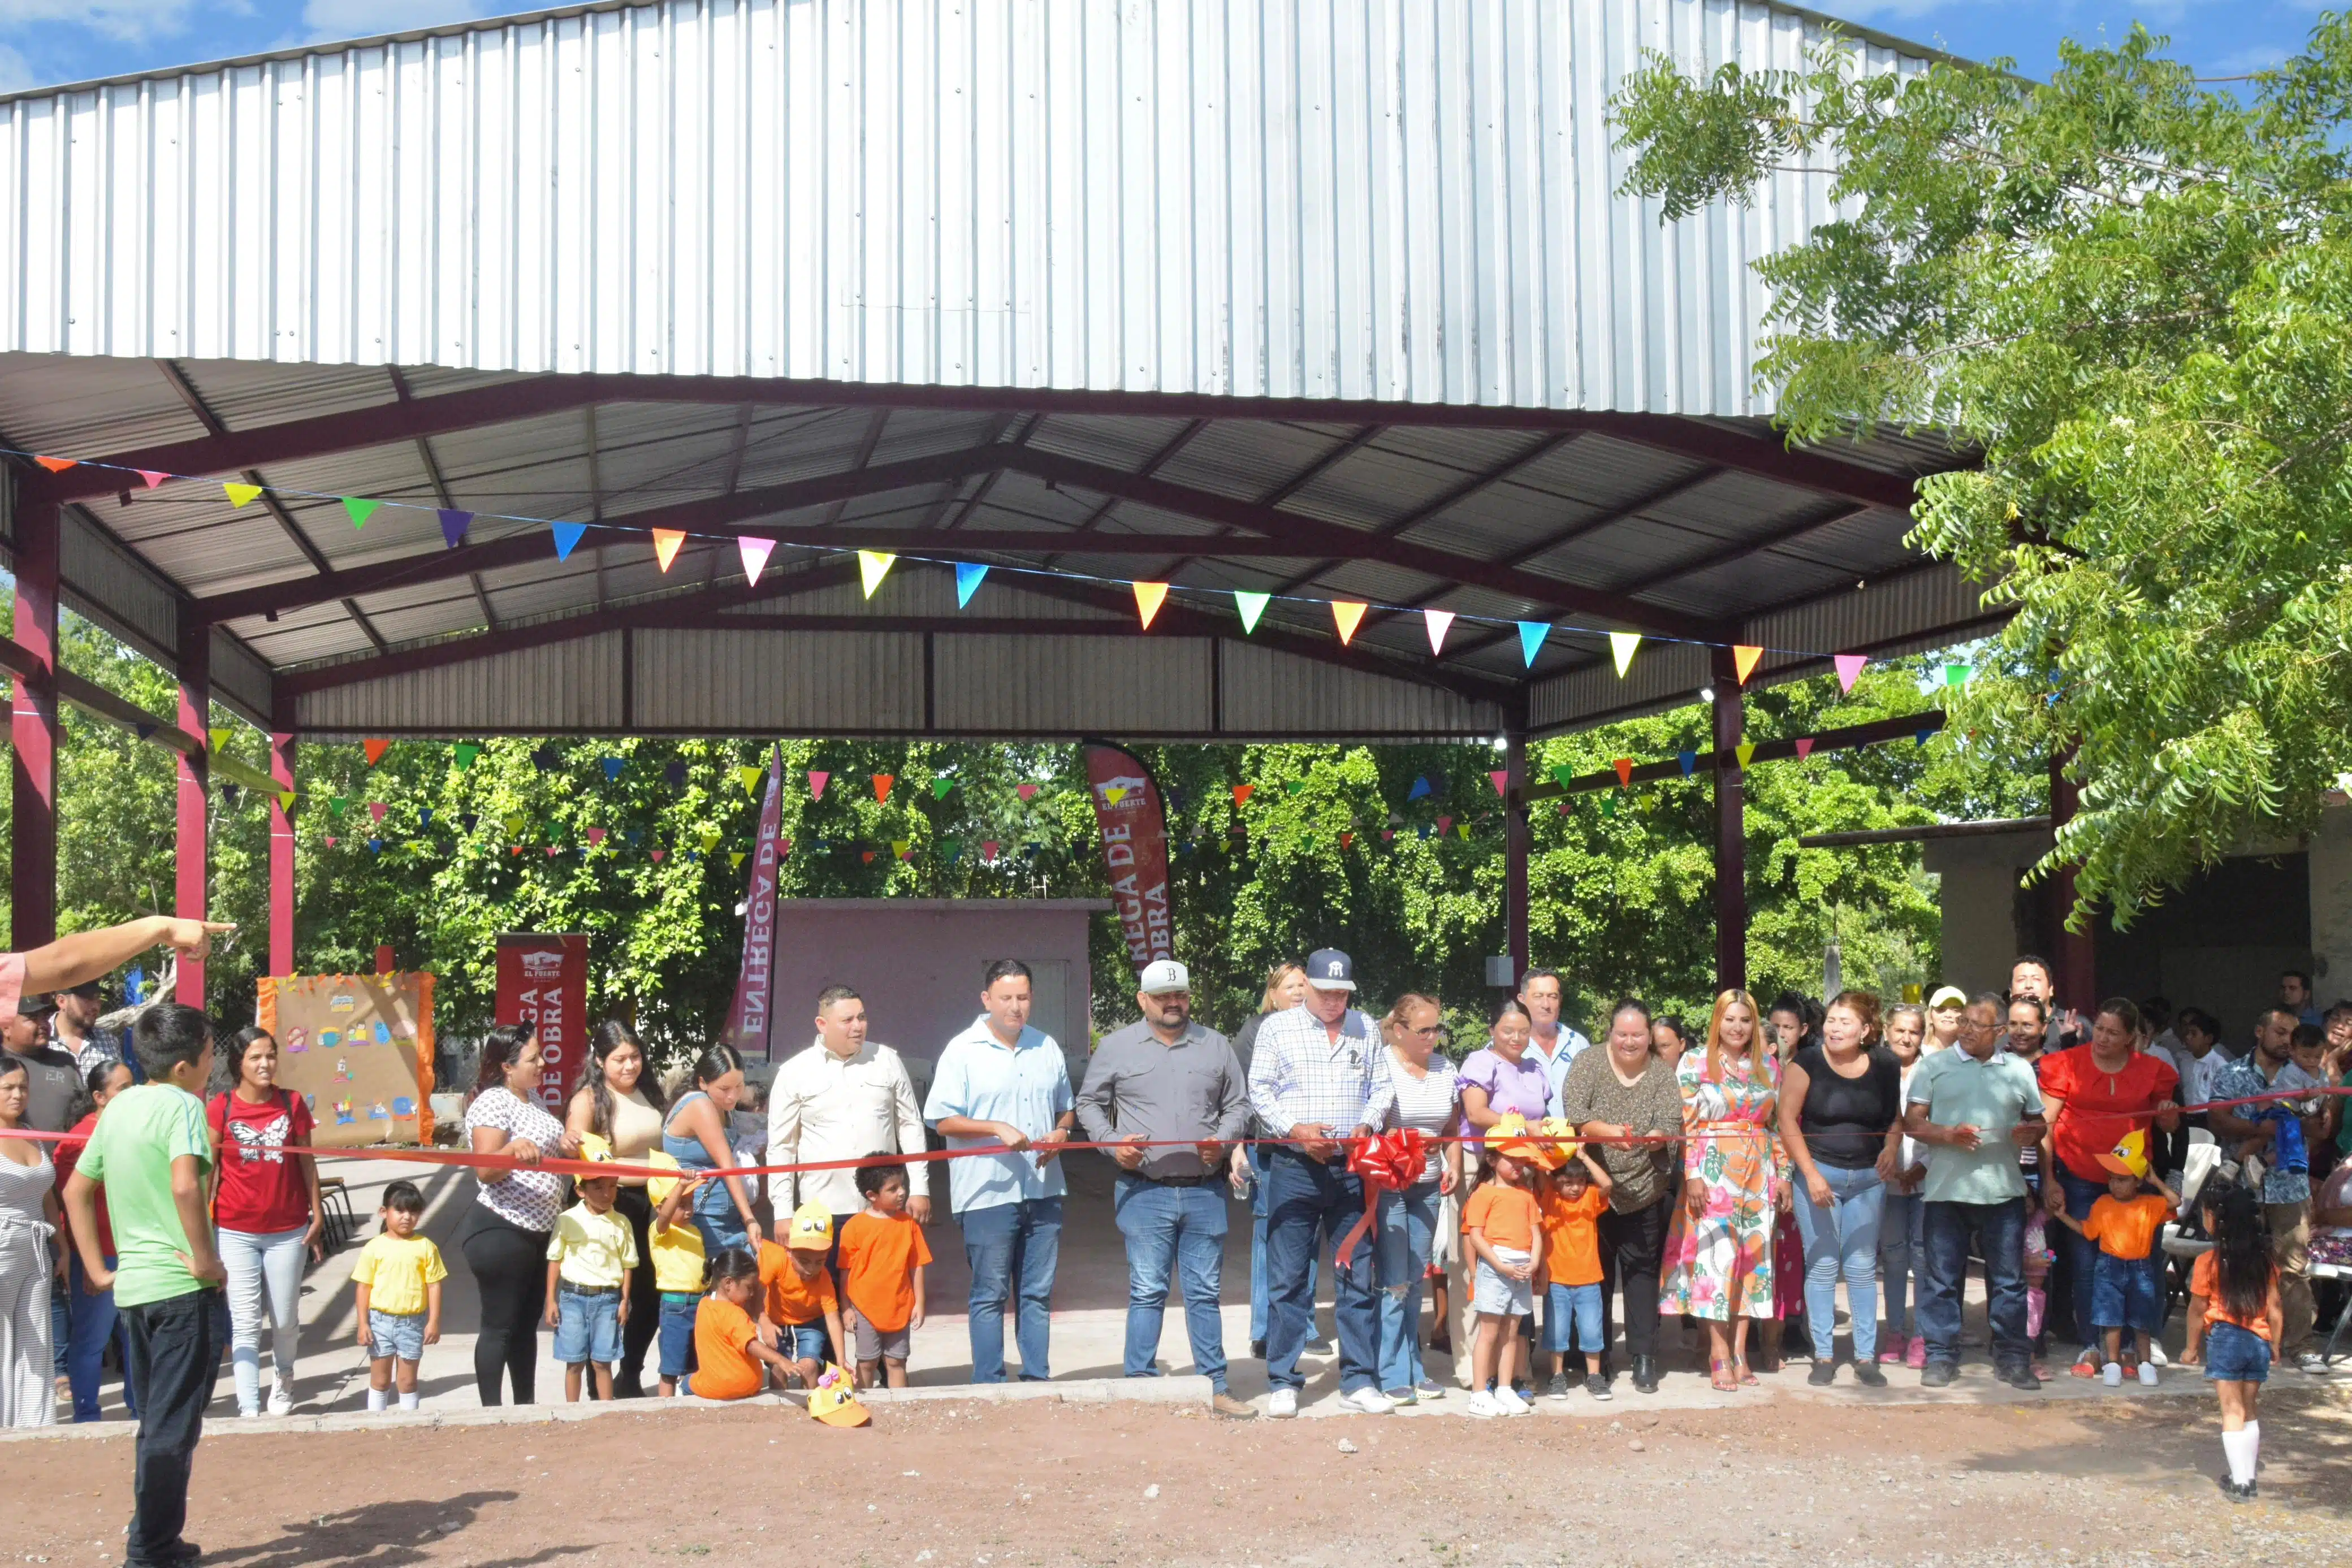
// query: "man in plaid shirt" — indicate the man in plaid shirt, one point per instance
point(1309, 1078)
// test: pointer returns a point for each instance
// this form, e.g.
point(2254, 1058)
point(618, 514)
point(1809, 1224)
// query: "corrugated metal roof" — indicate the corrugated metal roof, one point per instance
point(1275, 694)
point(571, 687)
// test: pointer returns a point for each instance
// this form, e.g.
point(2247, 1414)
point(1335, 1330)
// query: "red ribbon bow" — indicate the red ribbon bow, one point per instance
point(1388, 1163)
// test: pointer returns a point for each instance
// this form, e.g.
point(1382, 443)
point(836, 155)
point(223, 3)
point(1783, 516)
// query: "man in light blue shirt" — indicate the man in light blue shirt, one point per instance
point(1551, 1044)
point(1000, 1082)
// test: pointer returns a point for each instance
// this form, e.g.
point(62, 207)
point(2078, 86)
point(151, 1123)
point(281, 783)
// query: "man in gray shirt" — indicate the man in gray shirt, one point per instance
point(1168, 1081)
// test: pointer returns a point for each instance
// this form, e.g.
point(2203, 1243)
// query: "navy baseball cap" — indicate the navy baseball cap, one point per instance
point(1328, 969)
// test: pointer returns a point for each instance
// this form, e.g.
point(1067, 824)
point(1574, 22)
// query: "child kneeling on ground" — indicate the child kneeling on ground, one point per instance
point(398, 1303)
point(803, 1316)
point(590, 1257)
point(882, 1258)
point(675, 1243)
point(728, 1351)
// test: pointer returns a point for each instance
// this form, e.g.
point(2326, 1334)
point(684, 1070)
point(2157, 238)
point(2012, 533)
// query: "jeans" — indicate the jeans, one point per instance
point(1258, 1152)
point(1178, 1231)
point(265, 1276)
point(1841, 1239)
point(2128, 1294)
point(587, 1327)
point(1998, 1231)
point(175, 1347)
point(1899, 1244)
point(721, 1231)
point(1014, 1248)
point(2082, 1253)
point(510, 1267)
point(1572, 1319)
point(1308, 1205)
point(62, 1314)
point(95, 1322)
point(1408, 1222)
point(1632, 1246)
point(677, 1314)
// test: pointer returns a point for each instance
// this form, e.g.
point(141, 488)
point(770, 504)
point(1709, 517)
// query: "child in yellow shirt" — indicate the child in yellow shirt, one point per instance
point(398, 1303)
point(678, 1265)
point(589, 1260)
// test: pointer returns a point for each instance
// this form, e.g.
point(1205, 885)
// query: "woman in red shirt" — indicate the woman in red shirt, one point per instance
point(95, 1322)
point(2095, 1093)
point(265, 1204)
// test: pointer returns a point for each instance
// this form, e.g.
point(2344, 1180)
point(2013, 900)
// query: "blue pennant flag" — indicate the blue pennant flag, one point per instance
point(1921, 738)
point(1423, 830)
point(1531, 638)
point(468, 820)
point(547, 758)
point(968, 579)
point(613, 766)
point(1420, 787)
point(1689, 759)
point(675, 775)
point(425, 817)
point(636, 835)
point(454, 526)
point(375, 846)
point(567, 538)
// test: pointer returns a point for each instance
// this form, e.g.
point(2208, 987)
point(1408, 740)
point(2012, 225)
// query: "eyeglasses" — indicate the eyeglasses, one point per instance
point(1434, 1031)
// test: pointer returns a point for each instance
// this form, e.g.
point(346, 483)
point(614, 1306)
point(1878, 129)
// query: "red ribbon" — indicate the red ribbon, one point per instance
point(1389, 1162)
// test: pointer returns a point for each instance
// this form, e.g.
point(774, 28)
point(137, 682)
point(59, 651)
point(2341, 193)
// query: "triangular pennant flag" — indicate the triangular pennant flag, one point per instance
point(152, 476)
point(230, 794)
point(882, 782)
point(375, 846)
point(1624, 767)
point(595, 836)
point(710, 837)
point(514, 850)
point(567, 538)
point(375, 810)
point(144, 730)
point(1622, 645)
point(1743, 660)
point(940, 788)
point(1149, 597)
point(1347, 614)
point(1421, 832)
point(454, 525)
point(817, 783)
point(666, 543)
point(1251, 606)
point(866, 856)
point(902, 848)
point(285, 798)
point(1689, 762)
point(330, 841)
point(657, 855)
point(1956, 675)
point(1921, 738)
point(1501, 779)
point(1745, 751)
point(360, 509)
point(335, 803)
point(1026, 791)
point(466, 752)
point(58, 465)
point(239, 495)
point(1420, 787)
point(1387, 834)
point(219, 738)
point(546, 759)
point(1438, 623)
point(673, 774)
point(952, 849)
point(735, 859)
point(1804, 747)
point(613, 766)
point(1346, 840)
point(1462, 830)
point(1241, 792)
point(375, 750)
point(873, 566)
point(1562, 777)
point(988, 852)
point(748, 776)
point(755, 553)
point(1608, 805)
point(1294, 785)
point(1849, 670)
point(514, 821)
point(1444, 825)
point(636, 835)
point(1531, 639)
point(553, 851)
point(969, 578)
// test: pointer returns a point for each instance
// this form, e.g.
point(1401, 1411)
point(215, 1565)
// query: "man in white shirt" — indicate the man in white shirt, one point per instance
point(844, 1098)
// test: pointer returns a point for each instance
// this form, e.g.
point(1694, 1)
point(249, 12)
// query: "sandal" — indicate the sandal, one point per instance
point(1746, 1378)
point(1720, 1377)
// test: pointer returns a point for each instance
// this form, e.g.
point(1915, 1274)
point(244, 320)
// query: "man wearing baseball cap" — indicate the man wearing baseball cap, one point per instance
point(1171, 1090)
point(1308, 1079)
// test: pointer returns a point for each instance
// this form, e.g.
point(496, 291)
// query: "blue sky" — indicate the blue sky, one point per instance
point(47, 41)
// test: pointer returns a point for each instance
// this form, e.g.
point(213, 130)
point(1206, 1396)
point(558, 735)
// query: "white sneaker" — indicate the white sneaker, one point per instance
point(282, 1403)
point(2147, 1373)
point(1508, 1402)
point(1282, 1405)
point(2155, 1353)
point(1482, 1405)
point(1369, 1401)
point(2112, 1374)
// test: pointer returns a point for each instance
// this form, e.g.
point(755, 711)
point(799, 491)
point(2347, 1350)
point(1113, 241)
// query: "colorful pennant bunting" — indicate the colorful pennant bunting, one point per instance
point(239, 495)
point(882, 782)
point(940, 786)
point(1563, 777)
point(1444, 825)
point(58, 465)
point(748, 776)
point(613, 766)
point(595, 836)
point(1689, 761)
point(1624, 767)
point(1849, 670)
point(1241, 792)
point(375, 810)
point(1956, 675)
point(1251, 606)
point(454, 525)
point(969, 577)
point(1026, 791)
point(873, 566)
point(1149, 597)
point(735, 859)
point(755, 553)
point(1745, 751)
point(152, 477)
point(219, 738)
point(466, 752)
point(375, 750)
point(666, 543)
point(1531, 639)
point(567, 538)
point(1743, 660)
point(1621, 646)
point(1347, 614)
point(1804, 747)
point(359, 508)
point(1501, 778)
point(1420, 789)
point(1437, 622)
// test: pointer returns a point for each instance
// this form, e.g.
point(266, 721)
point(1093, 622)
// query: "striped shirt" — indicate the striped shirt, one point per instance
point(1300, 1075)
point(1427, 1105)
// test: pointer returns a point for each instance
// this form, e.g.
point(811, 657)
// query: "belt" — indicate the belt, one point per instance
point(1304, 1158)
point(1172, 1181)
point(566, 1287)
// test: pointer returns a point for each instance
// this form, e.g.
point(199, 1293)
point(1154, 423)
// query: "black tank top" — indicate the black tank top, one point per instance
point(1845, 1120)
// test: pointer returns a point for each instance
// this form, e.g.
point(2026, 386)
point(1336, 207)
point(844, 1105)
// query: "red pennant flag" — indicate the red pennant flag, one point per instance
point(1743, 660)
point(1387, 833)
point(1624, 765)
point(1501, 778)
point(1804, 747)
point(1346, 840)
point(988, 852)
point(152, 477)
point(816, 784)
point(866, 856)
point(1026, 791)
point(1149, 597)
point(375, 810)
point(58, 465)
point(1444, 825)
point(514, 848)
point(882, 782)
point(1241, 792)
point(375, 750)
point(595, 835)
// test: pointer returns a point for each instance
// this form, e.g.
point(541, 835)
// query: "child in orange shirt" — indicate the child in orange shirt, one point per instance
point(803, 1314)
point(727, 1348)
point(2234, 1323)
point(1571, 1201)
point(1499, 1225)
point(882, 1259)
point(2127, 1288)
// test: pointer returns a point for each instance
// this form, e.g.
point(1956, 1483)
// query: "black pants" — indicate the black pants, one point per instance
point(645, 1302)
point(510, 1267)
point(1632, 1247)
point(175, 1349)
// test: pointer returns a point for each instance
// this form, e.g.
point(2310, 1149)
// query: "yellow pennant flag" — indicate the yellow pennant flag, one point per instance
point(873, 566)
point(1622, 645)
point(1743, 660)
point(1745, 751)
point(735, 859)
point(709, 840)
point(1149, 597)
point(285, 798)
point(1347, 614)
point(666, 543)
point(239, 495)
point(750, 774)
point(1463, 829)
point(219, 738)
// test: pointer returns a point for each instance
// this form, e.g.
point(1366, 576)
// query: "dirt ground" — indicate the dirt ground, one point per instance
point(954, 1483)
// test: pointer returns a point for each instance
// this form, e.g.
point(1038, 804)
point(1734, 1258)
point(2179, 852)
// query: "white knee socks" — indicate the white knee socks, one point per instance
point(2241, 1449)
point(408, 1400)
point(377, 1397)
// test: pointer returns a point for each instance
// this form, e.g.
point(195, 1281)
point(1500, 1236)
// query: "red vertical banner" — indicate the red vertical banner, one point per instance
point(1135, 849)
point(748, 1018)
point(543, 982)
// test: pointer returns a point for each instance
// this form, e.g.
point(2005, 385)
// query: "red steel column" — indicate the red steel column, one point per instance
point(189, 891)
point(281, 857)
point(1518, 843)
point(33, 734)
point(1730, 829)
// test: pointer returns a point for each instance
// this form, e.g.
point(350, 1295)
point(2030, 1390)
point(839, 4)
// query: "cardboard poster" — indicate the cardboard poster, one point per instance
point(359, 1049)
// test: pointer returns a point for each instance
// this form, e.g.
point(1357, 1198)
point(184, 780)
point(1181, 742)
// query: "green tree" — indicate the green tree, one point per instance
point(2131, 296)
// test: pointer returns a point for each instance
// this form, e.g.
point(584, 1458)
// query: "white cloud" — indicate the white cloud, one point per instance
point(128, 21)
point(15, 71)
point(331, 19)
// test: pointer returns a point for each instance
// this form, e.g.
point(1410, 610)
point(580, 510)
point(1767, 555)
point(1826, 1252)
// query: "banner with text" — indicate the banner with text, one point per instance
point(747, 1019)
point(1135, 849)
point(543, 982)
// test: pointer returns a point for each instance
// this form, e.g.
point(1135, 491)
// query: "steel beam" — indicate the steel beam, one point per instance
point(1720, 761)
point(281, 856)
point(33, 732)
point(1730, 828)
point(190, 884)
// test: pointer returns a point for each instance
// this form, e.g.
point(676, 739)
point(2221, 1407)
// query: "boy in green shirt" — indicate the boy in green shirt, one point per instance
point(152, 1151)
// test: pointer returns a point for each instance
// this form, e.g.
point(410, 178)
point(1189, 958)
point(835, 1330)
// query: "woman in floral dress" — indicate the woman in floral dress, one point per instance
point(1718, 1261)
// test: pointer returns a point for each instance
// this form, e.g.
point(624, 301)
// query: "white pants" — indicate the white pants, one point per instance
point(28, 1391)
point(265, 1276)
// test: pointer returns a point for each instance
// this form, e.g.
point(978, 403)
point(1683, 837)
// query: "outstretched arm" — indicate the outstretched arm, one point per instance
point(70, 960)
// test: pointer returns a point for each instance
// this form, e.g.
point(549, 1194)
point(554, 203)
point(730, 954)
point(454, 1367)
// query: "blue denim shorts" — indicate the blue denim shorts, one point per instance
point(1572, 1319)
point(397, 1334)
point(2233, 1354)
point(587, 1328)
point(2128, 1294)
point(677, 1310)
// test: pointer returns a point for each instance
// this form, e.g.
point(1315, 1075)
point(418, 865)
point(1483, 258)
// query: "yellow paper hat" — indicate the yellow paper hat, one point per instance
point(1509, 1137)
point(659, 1189)
point(2129, 1158)
point(812, 1228)
point(593, 1149)
point(834, 1400)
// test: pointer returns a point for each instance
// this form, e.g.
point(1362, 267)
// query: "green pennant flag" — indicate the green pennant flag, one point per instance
point(466, 752)
point(1562, 777)
point(336, 803)
point(940, 788)
point(1296, 785)
point(1609, 805)
point(361, 509)
point(1956, 675)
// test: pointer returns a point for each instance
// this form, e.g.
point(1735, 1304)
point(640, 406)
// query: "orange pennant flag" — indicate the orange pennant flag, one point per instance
point(58, 464)
point(882, 782)
point(1149, 597)
point(1241, 792)
point(666, 543)
point(1349, 615)
point(1624, 765)
point(375, 750)
point(1743, 658)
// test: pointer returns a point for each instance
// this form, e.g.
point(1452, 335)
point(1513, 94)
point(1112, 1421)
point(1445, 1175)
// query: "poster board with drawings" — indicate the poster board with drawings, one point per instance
point(359, 1049)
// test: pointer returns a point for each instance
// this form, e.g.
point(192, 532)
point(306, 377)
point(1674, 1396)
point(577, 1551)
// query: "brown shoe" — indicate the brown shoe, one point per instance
point(1232, 1410)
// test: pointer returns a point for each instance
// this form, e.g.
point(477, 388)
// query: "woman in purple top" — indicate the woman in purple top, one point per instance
point(1501, 1079)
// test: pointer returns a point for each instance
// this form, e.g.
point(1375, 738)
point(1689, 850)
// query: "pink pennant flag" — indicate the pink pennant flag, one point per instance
point(755, 556)
point(331, 842)
point(375, 810)
point(1026, 791)
point(1804, 747)
point(595, 835)
point(1444, 824)
point(1501, 778)
point(152, 476)
point(553, 851)
point(1439, 622)
point(657, 855)
point(1849, 670)
point(816, 784)
point(988, 852)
